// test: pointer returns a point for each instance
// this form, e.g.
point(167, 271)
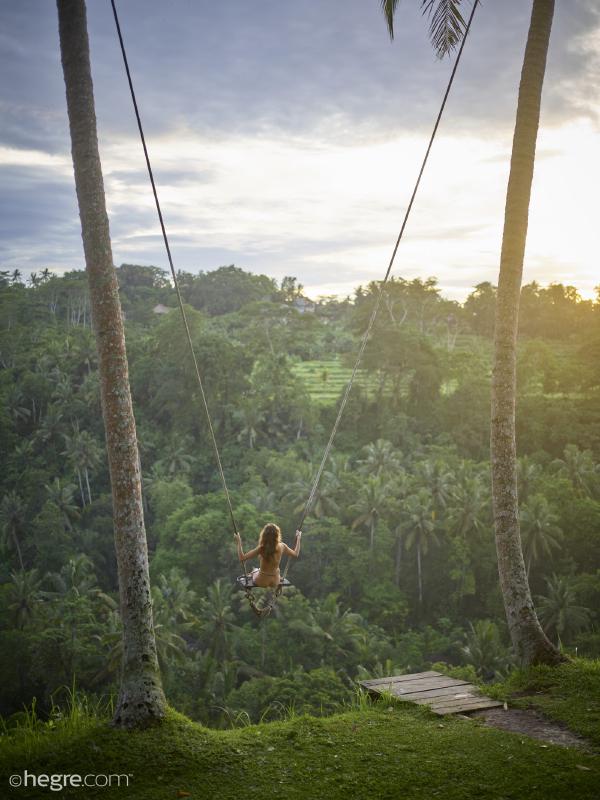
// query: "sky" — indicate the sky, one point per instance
point(286, 137)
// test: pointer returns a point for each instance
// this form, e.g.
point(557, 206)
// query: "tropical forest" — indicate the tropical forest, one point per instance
point(257, 535)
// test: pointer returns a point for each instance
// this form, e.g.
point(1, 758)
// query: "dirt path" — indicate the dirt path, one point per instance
point(531, 723)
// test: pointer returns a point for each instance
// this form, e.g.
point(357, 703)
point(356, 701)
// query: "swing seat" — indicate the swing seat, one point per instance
point(246, 582)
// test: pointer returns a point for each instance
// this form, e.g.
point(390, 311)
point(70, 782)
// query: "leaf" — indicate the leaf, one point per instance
point(182, 793)
point(446, 24)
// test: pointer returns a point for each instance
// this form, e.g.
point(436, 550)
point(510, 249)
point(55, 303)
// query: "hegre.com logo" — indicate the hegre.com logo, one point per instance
point(55, 783)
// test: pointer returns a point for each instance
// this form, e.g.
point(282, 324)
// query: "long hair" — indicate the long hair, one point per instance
point(270, 536)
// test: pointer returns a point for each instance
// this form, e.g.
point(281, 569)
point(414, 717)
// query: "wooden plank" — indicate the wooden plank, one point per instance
point(429, 685)
point(443, 695)
point(447, 691)
point(468, 705)
point(399, 678)
point(428, 699)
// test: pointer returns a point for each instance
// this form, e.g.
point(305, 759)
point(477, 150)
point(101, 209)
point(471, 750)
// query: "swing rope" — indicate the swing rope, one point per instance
point(367, 333)
point(174, 276)
point(265, 608)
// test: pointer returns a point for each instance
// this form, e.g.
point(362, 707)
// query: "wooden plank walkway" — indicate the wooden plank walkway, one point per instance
point(442, 694)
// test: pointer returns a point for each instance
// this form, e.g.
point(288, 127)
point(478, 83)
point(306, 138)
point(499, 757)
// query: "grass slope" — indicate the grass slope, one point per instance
point(569, 694)
point(398, 752)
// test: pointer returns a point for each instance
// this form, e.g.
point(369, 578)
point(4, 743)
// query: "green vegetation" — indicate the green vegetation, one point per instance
point(569, 693)
point(398, 569)
point(385, 752)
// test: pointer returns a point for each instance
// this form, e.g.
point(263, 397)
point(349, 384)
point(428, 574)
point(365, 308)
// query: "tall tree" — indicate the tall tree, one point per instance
point(446, 29)
point(531, 644)
point(141, 699)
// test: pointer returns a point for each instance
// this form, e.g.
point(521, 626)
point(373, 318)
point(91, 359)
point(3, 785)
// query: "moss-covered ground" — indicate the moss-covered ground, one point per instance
point(386, 751)
point(569, 694)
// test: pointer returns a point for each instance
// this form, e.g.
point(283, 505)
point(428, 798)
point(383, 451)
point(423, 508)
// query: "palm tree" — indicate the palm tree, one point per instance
point(380, 457)
point(541, 534)
point(579, 468)
point(84, 454)
point(438, 479)
point(298, 492)
point(485, 651)
point(50, 426)
point(559, 612)
point(470, 499)
point(23, 596)
point(12, 520)
point(446, 26)
point(177, 458)
point(339, 628)
point(61, 495)
point(531, 644)
point(250, 418)
point(370, 505)
point(141, 699)
point(15, 403)
point(419, 519)
point(218, 619)
point(528, 473)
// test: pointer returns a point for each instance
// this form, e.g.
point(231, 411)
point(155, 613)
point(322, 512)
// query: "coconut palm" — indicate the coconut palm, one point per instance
point(541, 534)
point(370, 505)
point(51, 426)
point(380, 457)
point(579, 468)
point(83, 453)
point(141, 699)
point(250, 419)
point(23, 596)
point(528, 474)
point(12, 522)
point(446, 24)
point(559, 611)
point(217, 619)
point(62, 496)
point(470, 506)
point(419, 520)
point(341, 629)
point(446, 28)
point(298, 492)
point(176, 458)
point(530, 643)
point(439, 481)
point(485, 651)
point(15, 402)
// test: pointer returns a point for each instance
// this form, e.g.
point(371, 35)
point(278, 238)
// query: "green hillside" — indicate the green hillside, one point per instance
point(387, 750)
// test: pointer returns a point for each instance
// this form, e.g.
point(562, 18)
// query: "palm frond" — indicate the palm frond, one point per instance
point(389, 9)
point(446, 24)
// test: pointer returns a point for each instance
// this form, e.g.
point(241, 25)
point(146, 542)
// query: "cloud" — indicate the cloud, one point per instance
point(285, 138)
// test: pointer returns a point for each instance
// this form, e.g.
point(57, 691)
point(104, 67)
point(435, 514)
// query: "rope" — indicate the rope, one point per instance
point(382, 284)
point(174, 275)
point(267, 607)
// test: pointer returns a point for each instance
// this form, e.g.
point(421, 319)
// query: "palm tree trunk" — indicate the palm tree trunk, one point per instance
point(87, 483)
point(398, 560)
point(80, 487)
point(530, 643)
point(419, 574)
point(17, 547)
point(141, 699)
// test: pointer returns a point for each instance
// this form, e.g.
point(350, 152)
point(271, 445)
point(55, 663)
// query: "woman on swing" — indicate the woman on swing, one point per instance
point(270, 549)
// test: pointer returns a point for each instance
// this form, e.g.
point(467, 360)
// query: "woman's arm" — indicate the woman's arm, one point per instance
point(296, 551)
point(241, 555)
